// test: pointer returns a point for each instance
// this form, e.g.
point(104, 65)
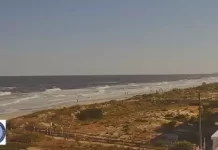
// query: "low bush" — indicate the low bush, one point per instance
point(193, 120)
point(181, 118)
point(182, 145)
point(168, 127)
point(161, 143)
point(91, 113)
point(203, 84)
point(207, 117)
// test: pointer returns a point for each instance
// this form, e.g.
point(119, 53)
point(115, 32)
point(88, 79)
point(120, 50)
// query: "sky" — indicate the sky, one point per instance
point(98, 37)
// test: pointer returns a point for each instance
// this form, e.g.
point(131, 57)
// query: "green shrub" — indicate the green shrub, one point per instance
point(169, 126)
point(193, 120)
point(181, 118)
point(203, 84)
point(176, 90)
point(161, 143)
point(182, 145)
point(91, 113)
point(207, 117)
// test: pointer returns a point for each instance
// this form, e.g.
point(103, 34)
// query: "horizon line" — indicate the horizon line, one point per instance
point(108, 75)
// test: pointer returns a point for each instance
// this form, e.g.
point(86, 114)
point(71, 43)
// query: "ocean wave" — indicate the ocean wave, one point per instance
point(91, 94)
point(5, 93)
point(7, 88)
point(109, 82)
point(52, 90)
point(103, 87)
point(100, 92)
point(84, 95)
point(133, 84)
point(20, 100)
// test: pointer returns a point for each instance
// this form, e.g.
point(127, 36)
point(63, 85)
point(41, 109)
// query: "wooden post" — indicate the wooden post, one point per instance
point(62, 132)
point(200, 131)
point(51, 129)
point(47, 131)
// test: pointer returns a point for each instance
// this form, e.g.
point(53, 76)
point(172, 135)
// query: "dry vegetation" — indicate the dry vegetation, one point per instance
point(143, 117)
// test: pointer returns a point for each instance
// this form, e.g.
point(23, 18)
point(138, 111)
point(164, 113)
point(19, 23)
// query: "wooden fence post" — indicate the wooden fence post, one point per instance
point(62, 132)
point(50, 131)
point(47, 131)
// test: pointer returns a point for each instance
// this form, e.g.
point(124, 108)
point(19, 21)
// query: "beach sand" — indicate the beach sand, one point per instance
point(12, 115)
point(9, 116)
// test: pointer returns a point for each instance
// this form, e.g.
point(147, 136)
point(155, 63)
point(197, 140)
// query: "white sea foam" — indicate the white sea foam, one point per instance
point(84, 95)
point(5, 93)
point(57, 96)
point(7, 88)
point(102, 87)
point(133, 84)
point(52, 90)
point(133, 88)
point(20, 100)
point(92, 94)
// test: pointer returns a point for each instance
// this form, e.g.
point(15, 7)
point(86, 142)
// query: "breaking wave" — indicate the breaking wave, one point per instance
point(133, 85)
point(5, 93)
point(20, 100)
point(103, 87)
point(55, 96)
point(52, 90)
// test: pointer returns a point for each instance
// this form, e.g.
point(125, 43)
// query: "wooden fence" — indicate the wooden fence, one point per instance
point(88, 137)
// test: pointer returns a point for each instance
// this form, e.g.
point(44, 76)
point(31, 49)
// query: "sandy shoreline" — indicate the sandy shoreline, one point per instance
point(73, 103)
point(91, 100)
point(12, 115)
point(9, 116)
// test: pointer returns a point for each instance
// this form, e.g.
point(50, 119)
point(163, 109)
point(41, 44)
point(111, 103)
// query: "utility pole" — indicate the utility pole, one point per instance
point(200, 131)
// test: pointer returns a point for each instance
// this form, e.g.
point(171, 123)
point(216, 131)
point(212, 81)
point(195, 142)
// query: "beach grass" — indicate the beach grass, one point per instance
point(136, 118)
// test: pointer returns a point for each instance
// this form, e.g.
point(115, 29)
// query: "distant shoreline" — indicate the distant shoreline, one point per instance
point(9, 116)
point(216, 73)
point(70, 104)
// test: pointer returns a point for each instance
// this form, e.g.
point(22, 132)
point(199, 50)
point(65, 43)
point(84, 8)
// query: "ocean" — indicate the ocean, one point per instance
point(31, 93)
